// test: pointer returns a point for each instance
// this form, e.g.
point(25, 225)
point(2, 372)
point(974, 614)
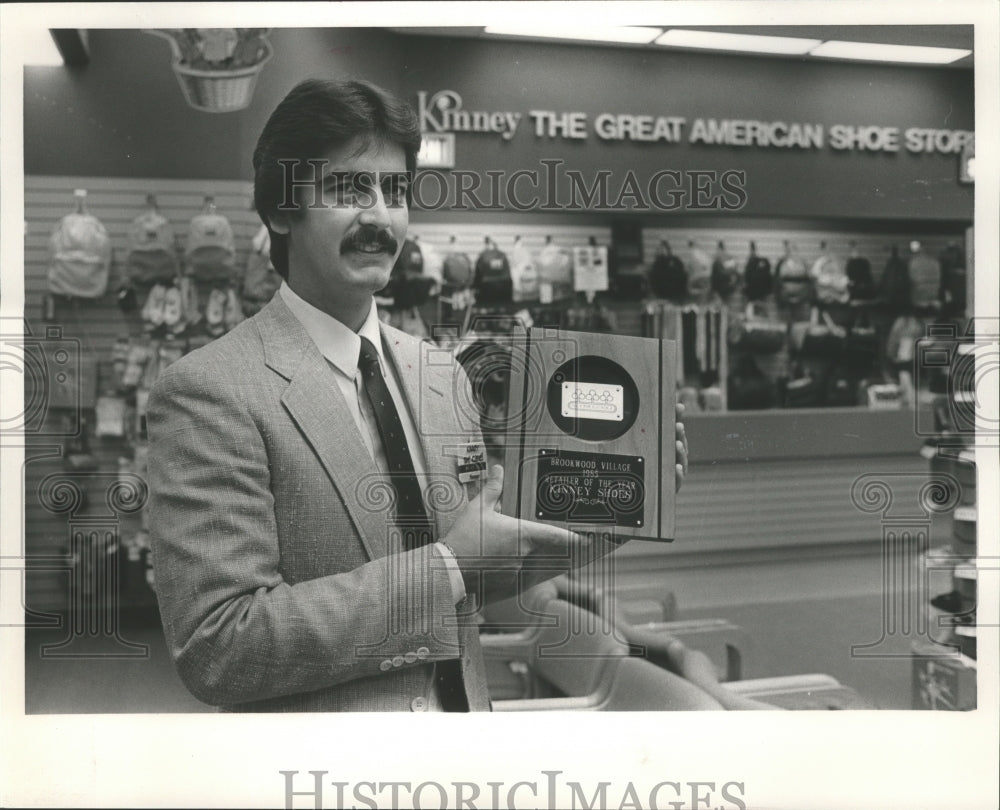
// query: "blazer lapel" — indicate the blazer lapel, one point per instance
point(315, 402)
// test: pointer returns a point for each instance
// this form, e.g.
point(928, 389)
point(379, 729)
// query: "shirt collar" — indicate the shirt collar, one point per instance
point(335, 341)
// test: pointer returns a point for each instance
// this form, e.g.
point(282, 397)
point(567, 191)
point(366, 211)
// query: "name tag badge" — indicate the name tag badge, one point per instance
point(473, 464)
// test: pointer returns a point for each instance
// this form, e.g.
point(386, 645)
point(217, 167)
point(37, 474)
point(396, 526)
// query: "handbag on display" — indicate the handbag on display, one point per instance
point(211, 249)
point(493, 282)
point(792, 279)
point(819, 337)
point(757, 333)
point(80, 254)
point(668, 278)
point(758, 282)
point(151, 256)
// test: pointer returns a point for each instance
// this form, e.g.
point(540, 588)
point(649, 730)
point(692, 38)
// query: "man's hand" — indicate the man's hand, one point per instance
point(682, 446)
point(491, 547)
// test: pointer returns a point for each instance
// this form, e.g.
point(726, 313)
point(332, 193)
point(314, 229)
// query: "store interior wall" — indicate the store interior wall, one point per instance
point(123, 114)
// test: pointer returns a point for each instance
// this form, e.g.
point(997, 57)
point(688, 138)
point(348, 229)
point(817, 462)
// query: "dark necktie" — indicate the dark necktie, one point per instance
point(411, 517)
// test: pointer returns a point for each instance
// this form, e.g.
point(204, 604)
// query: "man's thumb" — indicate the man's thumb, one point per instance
point(493, 487)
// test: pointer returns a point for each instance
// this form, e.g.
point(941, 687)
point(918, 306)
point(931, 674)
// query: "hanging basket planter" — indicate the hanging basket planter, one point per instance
point(215, 78)
point(215, 91)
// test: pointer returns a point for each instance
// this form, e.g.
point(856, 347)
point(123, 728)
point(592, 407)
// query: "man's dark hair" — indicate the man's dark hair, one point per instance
point(317, 116)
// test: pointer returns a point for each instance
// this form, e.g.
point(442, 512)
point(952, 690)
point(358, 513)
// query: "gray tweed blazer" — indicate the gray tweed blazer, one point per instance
point(281, 585)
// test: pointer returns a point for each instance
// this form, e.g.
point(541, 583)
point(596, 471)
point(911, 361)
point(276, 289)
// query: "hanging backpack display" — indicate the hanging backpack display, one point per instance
point(523, 272)
point(668, 277)
point(757, 280)
point(829, 278)
point(555, 269)
point(792, 280)
point(151, 256)
point(699, 275)
point(261, 280)
point(408, 287)
point(80, 254)
point(493, 281)
point(211, 249)
point(896, 283)
point(860, 283)
point(725, 274)
point(456, 270)
point(925, 280)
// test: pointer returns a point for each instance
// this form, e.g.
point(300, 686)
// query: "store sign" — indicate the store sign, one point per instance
point(445, 111)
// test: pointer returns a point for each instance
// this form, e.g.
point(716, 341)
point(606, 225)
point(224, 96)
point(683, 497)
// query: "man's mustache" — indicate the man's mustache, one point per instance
point(369, 236)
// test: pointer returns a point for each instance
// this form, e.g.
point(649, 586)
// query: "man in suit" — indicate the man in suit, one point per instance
point(314, 547)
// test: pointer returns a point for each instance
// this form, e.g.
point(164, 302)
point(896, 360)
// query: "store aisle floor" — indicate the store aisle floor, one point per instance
point(788, 638)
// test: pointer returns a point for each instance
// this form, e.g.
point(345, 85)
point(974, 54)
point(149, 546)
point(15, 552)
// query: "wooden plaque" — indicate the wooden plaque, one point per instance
point(590, 433)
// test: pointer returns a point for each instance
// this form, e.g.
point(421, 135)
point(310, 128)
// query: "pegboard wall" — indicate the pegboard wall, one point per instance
point(116, 201)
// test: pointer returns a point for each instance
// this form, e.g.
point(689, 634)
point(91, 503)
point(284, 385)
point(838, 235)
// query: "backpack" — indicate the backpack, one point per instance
point(925, 280)
point(555, 267)
point(457, 270)
point(793, 283)
point(211, 249)
point(80, 257)
point(151, 257)
point(757, 278)
point(830, 281)
point(668, 277)
point(261, 280)
point(860, 283)
point(410, 260)
point(524, 273)
point(896, 283)
point(725, 274)
point(700, 275)
point(493, 281)
point(408, 287)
